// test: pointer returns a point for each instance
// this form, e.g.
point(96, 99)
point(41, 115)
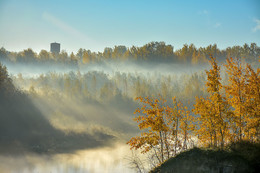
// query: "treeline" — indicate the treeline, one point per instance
point(102, 87)
point(229, 112)
point(158, 52)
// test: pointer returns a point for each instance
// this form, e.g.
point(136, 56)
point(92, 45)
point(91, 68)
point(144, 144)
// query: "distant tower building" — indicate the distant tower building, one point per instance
point(55, 48)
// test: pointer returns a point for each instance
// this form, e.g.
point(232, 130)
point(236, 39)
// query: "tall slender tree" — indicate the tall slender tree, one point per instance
point(236, 95)
point(214, 107)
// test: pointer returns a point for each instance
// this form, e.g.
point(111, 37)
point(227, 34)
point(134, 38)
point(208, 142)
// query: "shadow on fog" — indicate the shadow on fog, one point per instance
point(24, 128)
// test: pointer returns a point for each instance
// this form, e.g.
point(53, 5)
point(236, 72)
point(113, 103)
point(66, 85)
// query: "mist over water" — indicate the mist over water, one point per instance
point(90, 110)
point(106, 159)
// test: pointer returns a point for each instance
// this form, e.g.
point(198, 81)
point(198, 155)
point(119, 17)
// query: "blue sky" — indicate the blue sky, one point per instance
point(96, 24)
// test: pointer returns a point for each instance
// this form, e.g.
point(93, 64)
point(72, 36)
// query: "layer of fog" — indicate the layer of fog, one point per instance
point(86, 117)
point(108, 67)
point(105, 160)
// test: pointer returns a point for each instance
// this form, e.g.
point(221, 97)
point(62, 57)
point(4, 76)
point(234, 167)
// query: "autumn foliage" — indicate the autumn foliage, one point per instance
point(243, 93)
point(229, 113)
point(213, 111)
point(166, 129)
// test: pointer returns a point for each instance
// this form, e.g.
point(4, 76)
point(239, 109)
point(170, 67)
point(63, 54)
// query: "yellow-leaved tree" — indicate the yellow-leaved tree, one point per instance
point(252, 103)
point(243, 94)
point(187, 126)
point(166, 128)
point(236, 96)
point(213, 111)
point(151, 119)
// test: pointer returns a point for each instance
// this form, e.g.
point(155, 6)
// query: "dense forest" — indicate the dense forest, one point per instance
point(158, 52)
point(87, 99)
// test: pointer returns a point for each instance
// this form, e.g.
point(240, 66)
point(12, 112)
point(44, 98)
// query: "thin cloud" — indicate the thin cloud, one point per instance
point(217, 25)
point(257, 27)
point(71, 31)
point(204, 12)
point(206, 15)
point(62, 25)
